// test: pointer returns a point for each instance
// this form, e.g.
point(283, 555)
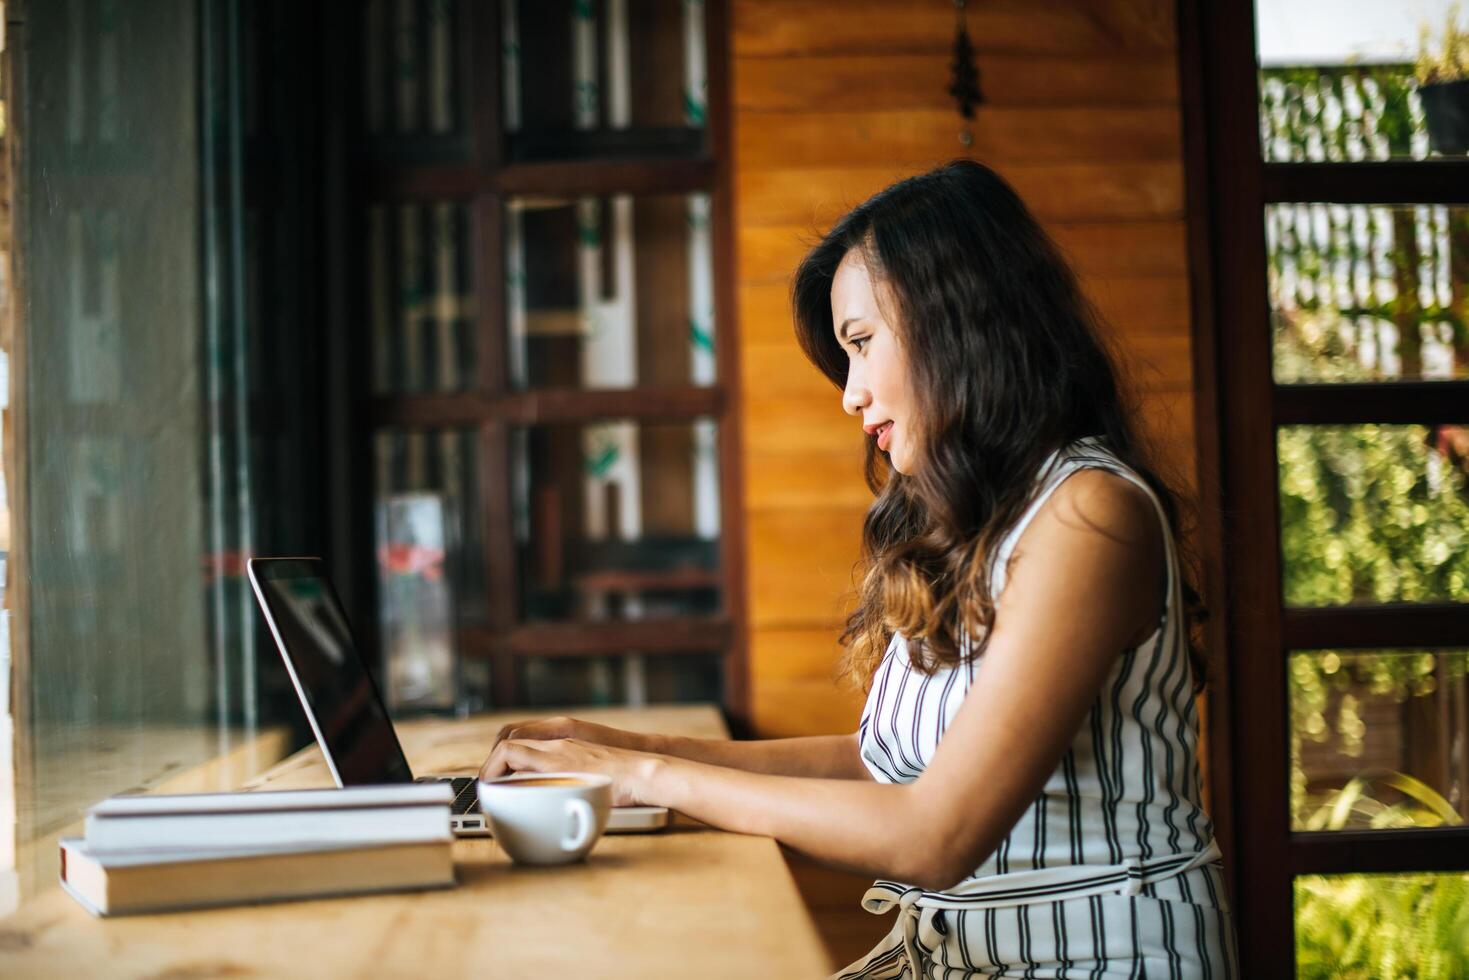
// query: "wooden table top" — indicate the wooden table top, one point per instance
point(690, 901)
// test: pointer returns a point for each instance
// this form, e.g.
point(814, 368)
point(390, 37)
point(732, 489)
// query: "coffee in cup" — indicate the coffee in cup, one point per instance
point(546, 818)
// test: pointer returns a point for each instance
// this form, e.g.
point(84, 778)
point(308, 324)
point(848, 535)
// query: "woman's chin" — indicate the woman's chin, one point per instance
point(903, 460)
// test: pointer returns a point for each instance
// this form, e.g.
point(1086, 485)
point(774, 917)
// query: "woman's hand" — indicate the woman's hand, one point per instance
point(545, 729)
point(632, 772)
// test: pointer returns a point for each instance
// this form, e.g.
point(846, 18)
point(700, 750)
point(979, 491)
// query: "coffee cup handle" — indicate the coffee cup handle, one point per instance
point(585, 821)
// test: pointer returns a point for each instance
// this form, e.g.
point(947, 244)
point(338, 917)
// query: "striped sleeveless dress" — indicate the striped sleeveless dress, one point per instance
point(1113, 870)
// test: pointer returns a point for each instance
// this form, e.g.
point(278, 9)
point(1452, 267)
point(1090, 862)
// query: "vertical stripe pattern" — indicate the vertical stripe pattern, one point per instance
point(1126, 791)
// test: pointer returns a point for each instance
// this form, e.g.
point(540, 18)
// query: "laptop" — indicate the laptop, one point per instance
point(342, 703)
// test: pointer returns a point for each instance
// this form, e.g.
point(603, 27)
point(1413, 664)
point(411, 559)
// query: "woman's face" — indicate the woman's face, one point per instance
point(879, 389)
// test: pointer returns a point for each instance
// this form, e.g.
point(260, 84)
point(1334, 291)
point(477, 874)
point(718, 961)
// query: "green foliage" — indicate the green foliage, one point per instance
point(1362, 292)
point(1326, 688)
point(1375, 927)
point(1422, 805)
point(1449, 61)
point(1341, 112)
point(1369, 513)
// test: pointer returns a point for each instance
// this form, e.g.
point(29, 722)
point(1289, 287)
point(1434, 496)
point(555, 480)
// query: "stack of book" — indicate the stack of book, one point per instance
point(160, 853)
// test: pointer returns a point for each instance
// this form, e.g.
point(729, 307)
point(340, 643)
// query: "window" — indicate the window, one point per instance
point(1339, 270)
point(168, 415)
point(550, 343)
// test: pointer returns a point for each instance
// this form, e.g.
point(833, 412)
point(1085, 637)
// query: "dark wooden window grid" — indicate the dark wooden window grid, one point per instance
point(1238, 409)
point(483, 180)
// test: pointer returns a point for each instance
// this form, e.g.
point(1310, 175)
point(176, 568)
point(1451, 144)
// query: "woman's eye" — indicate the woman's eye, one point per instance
point(858, 343)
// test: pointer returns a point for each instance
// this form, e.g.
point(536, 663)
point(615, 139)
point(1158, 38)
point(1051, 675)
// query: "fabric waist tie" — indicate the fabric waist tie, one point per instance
point(914, 905)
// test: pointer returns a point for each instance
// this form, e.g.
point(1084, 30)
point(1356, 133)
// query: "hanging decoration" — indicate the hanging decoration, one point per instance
point(965, 86)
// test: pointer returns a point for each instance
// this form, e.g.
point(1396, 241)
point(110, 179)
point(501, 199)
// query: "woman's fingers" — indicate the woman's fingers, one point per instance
point(540, 728)
point(494, 764)
point(514, 755)
point(509, 731)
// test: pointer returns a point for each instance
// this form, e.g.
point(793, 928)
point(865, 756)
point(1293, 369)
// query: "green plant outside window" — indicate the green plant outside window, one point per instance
point(1369, 514)
point(1370, 927)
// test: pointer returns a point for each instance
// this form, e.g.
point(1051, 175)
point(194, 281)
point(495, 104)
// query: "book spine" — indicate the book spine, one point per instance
point(108, 892)
point(301, 799)
point(411, 883)
point(279, 831)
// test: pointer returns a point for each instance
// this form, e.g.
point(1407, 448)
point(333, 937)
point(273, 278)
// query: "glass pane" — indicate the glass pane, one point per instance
point(160, 350)
point(627, 679)
point(1379, 739)
point(1368, 293)
point(421, 304)
point(413, 91)
point(1373, 514)
point(611, 292)
point(618, 520)
point(429, 544)
point(1371, 926)
point(629, 78)
point(1343, 81)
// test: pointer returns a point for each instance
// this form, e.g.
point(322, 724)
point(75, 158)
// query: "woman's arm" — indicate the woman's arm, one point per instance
point(1083, 588)
point(820, 756)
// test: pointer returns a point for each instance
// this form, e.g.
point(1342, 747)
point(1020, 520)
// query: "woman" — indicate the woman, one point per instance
point(1024, 781)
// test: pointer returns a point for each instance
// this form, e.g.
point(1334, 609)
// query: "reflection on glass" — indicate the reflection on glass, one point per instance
point(416, 601)
point(1379, 740)
point(1367, 292)
point(1374, 513)
point(610, 292)
point(412, 74)
point(1370, 926)
point(631, 81)
point(145, 295)
point(119, 646)
point(442, 464)
point(618, 520)
point(665, 678)
point(421, 302)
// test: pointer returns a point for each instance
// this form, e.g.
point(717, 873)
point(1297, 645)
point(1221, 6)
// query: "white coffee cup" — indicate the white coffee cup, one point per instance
point(546, 817)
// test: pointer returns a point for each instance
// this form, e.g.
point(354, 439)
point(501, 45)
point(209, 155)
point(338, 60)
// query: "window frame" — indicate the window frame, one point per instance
point(1238, 409)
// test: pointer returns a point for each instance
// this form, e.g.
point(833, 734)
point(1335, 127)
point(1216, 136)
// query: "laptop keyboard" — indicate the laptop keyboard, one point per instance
point(465, 798)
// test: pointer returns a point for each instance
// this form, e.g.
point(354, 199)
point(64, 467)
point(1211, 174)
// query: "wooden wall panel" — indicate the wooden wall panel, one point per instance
point(832, 103)
point(802, 692)
point(1066, 27)
point(919, 81)
point(801, 562)
point(907, 137)
point(799, 654)
point(818, 196)
point(770, 253)
point(782, 374)
point(778, 482)
point(787, 708)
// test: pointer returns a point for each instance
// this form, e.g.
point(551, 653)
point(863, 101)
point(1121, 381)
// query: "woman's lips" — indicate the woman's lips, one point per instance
point(884, 433)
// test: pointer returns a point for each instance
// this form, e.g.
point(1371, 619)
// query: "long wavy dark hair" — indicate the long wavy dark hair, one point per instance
point(1009, 362)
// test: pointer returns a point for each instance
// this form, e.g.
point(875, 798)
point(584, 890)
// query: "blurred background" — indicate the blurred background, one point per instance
point(486, 303)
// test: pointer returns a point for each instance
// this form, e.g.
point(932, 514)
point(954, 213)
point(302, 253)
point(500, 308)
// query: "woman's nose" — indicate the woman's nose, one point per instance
point(855, 395)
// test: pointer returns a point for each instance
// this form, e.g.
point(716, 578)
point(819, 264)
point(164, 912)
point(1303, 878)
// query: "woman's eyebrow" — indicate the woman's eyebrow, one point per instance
point(842, 330)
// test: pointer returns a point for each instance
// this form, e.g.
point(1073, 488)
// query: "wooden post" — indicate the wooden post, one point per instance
point(16, 752)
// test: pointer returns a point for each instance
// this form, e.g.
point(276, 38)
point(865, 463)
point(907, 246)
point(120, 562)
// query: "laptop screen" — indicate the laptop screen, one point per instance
point(352, 726)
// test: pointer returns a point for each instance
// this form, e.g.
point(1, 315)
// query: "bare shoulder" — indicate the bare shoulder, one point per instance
point(1098, 542)
point(1105, 503)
